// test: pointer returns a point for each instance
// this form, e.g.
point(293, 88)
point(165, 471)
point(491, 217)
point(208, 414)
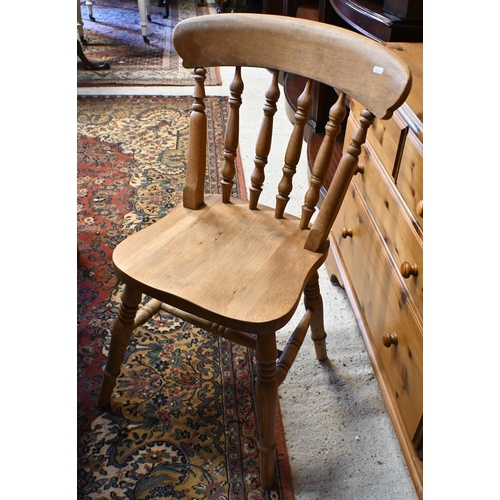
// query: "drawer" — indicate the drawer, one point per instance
point(410, 178)
point(396, 224)
point(386, 136)
point(386, 306)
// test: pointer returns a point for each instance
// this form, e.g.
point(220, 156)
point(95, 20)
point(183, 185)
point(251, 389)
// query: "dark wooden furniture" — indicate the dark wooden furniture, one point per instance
point(238, 268)
point(382, 20)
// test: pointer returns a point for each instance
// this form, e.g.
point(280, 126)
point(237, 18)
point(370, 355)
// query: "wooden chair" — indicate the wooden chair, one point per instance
point(238, 268)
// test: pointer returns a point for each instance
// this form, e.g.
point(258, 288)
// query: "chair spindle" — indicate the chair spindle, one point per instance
point(322, 162)
point(194, 188)
point(294, 148)
point(237, 336)
point(232, 135)
point(263, 145)
point(346, 169)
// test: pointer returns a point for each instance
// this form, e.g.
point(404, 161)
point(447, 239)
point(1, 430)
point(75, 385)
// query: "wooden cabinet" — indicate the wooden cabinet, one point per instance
point(376, 243)
point(376, 253)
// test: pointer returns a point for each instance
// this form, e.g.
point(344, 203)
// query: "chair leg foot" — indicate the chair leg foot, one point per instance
point(266, 466)
point(314, 301)
point(120, 338)
point(107, 385)
point(266, 405)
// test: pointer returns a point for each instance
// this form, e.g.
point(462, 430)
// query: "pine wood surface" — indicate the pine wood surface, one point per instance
point(413, 456)
point(209, 277)
point(386, 306)
point(384, 136)
point(386, 205)
point(413, 55)
point(240, 265)
point(377, 255)
point(313, 145)
point(254, 40)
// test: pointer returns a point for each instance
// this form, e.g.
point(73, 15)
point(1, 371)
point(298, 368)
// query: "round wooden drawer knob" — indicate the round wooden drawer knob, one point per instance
point(389, 339)
point(346, 232)
point(360, 169)
point(408, 270)
point(420, 208)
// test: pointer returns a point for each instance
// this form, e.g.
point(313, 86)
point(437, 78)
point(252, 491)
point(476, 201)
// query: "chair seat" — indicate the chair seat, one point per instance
point(258, 263)
point(222, 264)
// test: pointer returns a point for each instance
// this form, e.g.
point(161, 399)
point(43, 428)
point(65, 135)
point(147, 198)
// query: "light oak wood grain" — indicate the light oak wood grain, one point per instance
point(377, 255)
point(238, 268)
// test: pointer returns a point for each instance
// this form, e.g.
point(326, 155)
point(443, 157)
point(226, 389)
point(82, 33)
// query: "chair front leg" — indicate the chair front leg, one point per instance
point(120, 338)
point(314, 301)
point(266, 405)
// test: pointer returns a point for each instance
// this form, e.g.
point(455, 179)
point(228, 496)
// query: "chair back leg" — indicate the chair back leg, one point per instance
point(313, 301)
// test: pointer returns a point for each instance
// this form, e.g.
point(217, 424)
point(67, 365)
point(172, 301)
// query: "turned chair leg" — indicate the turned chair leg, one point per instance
point(266, 405)
point(120, 338)
point(313, 300)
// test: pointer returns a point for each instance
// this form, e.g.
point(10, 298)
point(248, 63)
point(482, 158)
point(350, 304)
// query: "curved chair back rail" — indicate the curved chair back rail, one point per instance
point(329, 54)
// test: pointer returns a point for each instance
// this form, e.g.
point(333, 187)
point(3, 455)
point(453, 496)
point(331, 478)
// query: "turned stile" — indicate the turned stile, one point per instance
point(263, 145)
point(346, 169)
point(294, 148)
point(322, 163)
point(120, 337)
point(232, 135)
point(194, 188)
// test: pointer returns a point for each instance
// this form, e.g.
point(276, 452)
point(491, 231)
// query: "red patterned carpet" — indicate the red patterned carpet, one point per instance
point(182, 421)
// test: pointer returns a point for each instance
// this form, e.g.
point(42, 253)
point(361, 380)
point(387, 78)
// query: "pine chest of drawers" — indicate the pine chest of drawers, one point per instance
point(376, 253)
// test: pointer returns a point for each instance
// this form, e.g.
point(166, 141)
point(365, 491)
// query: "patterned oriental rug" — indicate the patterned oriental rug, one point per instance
point(115, 37)
point(182, 421)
